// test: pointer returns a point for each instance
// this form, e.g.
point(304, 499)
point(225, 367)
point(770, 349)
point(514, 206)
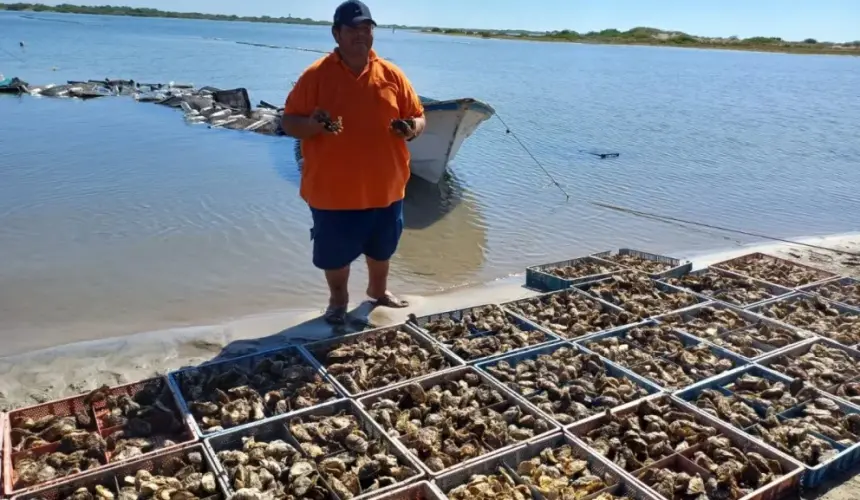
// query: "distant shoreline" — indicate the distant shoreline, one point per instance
point(637, 36)
point(785, 48)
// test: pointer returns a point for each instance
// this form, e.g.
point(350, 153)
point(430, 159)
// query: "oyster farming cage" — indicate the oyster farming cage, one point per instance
point(113, 477)
point(507, 462)
point(279, 428)
point(542, 278)
point(611, 368)
point(320, 350)
point(89, 412)
point(457, 316)
point(243, 364)
point(509, 400)
point(674, 267)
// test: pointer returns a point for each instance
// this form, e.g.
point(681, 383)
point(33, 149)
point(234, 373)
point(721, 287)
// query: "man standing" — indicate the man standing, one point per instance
point(355, 165)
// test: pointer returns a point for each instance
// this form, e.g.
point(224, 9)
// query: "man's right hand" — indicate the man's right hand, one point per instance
point(322, 117)
point(305, 127)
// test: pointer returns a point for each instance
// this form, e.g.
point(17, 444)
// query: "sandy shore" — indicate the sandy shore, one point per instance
point(49, 374)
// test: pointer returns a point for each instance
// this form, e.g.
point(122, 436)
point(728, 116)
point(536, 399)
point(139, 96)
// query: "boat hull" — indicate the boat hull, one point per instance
point(449, 124)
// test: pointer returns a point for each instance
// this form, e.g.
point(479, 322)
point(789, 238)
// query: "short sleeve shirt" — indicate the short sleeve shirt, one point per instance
point(366, 165)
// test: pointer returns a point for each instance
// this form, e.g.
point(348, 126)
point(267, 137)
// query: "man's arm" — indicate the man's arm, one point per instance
point(298, 120)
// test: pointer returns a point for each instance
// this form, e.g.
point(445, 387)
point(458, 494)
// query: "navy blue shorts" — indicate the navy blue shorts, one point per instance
point(341, 236)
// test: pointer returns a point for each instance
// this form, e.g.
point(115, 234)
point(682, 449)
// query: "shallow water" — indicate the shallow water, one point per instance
point(116, 217)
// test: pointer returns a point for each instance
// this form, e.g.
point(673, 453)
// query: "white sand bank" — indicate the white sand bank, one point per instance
point(48, 374)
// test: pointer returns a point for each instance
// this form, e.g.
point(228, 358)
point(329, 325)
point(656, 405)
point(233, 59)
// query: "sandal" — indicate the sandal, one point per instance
point(389, 300)
point(335, 315)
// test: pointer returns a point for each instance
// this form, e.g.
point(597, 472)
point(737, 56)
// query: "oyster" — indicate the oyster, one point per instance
point(152, 403)
point(844, 291)
point(567, 384)
point(825, 417)
point(581, 268)
point(641, 264)
point(706, 322)
point(380, 358)
point(739, 343)
point(650, 432)
point(732, 409)
point(456, 420)
point(352, 461)
point(849, 391)
point(178, 476)
point(735, 473)
point(822, 366)
point(30, 469)
point(794, 439)
point(499, 486)
point(751, 341)
point(227, 395)
point(563, 473)
point(773, 395)
point(675, 484)
point(271, 469)
point(639, 295)
point(774, 270)
point(700, 361)
point(483, 332)
point(570, 314)
point(664, 373)
point(28, 432)
point(93, 492)
point(817, 315)
point(736, 290)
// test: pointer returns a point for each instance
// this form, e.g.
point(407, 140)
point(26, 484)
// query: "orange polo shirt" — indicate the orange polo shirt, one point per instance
point(366, 165)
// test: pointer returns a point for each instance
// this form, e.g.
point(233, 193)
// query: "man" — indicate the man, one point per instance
point(353, 113)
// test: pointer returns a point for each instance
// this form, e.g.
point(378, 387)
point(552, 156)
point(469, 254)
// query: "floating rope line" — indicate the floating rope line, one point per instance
point(676, 220)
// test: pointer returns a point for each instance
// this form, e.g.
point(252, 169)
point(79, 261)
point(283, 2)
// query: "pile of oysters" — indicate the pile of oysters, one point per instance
point(640, 264)
point(581, 268)
point(774, 270)
point(847, 292)
point(567, 384)
point(639, 295)
point(570, 314)
point(733, 289)
point(230, 394)
point(817, 315)
point(822, 366)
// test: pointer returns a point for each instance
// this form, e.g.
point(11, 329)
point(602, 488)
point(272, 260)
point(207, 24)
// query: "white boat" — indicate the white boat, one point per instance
point(449, 123)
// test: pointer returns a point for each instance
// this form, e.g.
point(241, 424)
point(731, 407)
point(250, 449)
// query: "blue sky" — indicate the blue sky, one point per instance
point(834, 20)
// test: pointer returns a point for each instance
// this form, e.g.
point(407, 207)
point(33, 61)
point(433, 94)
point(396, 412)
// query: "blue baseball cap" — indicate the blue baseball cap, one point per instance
point(352, 13)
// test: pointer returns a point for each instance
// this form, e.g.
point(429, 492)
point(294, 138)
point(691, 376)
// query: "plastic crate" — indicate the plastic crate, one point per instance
point(731, 265)
point(763, 310)
point(245, 364)
point(81, 404)
point(773, 291)
point(675, 267)
point(516, 307)
point(511, 399)
point(852, 300)
point(802, 348)
point(423, 490)
point(651, 312)
point(457, 316)
point(612, 370)
point(319, 351)
point(687, 340)
point(508, 461)
point(788, 482)
point(753, 321)
point(278, 428)
point(111, 477)
point(542, 279)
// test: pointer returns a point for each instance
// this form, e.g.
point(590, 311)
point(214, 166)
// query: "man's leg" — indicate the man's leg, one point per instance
point(338, 236)
point(378, 250)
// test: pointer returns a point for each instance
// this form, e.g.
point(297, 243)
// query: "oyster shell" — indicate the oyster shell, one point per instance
point(580, 268)
point(826, 417)
point(817, 315)
point(775, 396)
point(739, 343)
point(456, 420)
point(735, 473)
point(774, 270)
point(184, 476)
point(639, 295)
point(794, 439)
point(707, 322)
point(845, 292)
point(736, 290)
point(641, 264)
point(31, 469)
point(822, 366)
point(654, 430)
point(262, 468)
point(490, 487)
point(567, 384)
point(563, 473)
point(849, 391)
point(351, 461)
point(379, 359)
point(570, 314)
point(28, 433)
point(664, 373)
point(675, 484)
point(700, 361)
point(483, 332)
point(732, 409)
point(227, 395)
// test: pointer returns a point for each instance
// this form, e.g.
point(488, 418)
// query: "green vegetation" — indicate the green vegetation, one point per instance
point(635, 36)
point(653, 36)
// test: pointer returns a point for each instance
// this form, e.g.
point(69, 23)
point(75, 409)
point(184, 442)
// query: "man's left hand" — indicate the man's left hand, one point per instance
point(404, 128)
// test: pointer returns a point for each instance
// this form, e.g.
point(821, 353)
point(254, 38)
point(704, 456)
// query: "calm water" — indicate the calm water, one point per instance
point(116, 217)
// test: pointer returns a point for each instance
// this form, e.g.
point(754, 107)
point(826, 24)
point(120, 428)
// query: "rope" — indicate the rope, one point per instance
point(669, 219)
